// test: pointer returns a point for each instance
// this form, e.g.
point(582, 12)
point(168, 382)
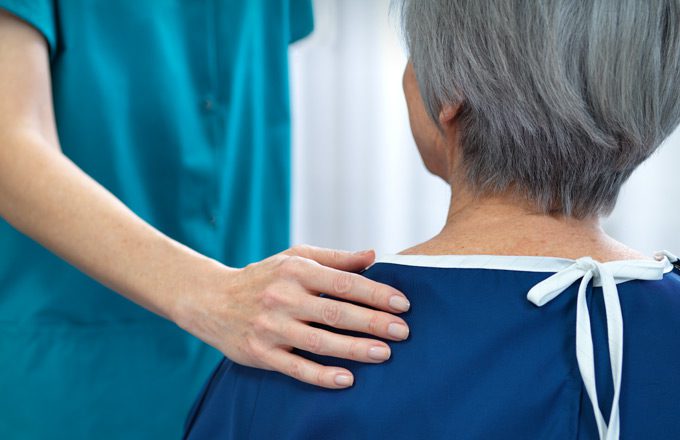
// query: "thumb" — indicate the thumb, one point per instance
point(337, 259)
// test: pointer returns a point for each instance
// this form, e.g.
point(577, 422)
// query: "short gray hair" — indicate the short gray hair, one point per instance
point(561, 99)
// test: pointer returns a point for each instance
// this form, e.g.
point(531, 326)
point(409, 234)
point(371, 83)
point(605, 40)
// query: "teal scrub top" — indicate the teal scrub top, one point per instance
point(181, 109)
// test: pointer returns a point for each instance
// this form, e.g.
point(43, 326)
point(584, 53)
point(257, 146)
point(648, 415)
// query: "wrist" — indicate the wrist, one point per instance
point(201, 282)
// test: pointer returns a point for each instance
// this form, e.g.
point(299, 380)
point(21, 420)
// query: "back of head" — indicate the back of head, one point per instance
point(561, 99)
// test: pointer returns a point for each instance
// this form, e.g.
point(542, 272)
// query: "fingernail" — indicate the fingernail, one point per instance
point(343, 380)
point(399, 303)
point(397, 331)
point(366, 252)
point(379, 353)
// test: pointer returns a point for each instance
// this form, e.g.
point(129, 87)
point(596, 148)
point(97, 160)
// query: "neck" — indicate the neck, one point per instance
point(503, 226)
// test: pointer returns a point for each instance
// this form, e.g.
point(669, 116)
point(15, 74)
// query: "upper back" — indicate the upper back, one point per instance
point(481, 362)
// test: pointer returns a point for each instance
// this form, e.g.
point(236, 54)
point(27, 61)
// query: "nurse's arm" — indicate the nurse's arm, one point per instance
point(255, 315)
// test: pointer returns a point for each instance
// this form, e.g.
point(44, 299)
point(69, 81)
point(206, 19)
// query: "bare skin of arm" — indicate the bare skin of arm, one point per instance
point(254, 315)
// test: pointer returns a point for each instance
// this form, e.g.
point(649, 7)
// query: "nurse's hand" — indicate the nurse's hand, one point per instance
point(258, 314)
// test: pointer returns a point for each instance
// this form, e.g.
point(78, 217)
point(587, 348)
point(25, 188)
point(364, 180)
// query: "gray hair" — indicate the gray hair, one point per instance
point(561, 99)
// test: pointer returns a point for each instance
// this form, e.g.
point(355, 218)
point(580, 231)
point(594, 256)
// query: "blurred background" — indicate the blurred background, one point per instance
point(358, 180)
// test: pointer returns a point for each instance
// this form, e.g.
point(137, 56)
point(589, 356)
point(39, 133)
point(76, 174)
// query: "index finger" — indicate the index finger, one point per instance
point(353, 287)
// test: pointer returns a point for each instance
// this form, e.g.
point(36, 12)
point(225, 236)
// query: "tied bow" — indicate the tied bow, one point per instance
point(605, 275)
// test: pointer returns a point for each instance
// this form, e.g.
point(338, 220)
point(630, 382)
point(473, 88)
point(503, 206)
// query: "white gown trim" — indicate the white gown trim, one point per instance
point(567, 272)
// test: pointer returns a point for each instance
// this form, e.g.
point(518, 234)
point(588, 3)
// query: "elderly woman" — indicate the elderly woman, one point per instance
point(535, 112)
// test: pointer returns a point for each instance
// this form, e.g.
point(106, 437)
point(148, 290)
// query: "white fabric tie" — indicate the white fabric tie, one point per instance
point(606, 275)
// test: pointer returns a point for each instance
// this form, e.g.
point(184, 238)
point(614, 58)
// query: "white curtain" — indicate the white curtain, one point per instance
point(358, 181)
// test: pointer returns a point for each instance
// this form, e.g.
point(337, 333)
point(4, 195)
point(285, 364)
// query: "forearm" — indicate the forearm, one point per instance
point(47, 197)
point(255, 315)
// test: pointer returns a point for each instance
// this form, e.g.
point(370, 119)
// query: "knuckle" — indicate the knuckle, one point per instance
point(331, 313)
point(299, 249)
point(343, 283)
point(285, 334)
point(261, 325)
point(294, 369)
point(374, 323)
point(253, 349)
point(352, 350)
point(273, 261)
point(270, 298)
point(337, 255)
point(313, 342)
point(374, 294)
point(291, 266)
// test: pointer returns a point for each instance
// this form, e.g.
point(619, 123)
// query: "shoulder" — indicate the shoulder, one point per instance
point(652, 307)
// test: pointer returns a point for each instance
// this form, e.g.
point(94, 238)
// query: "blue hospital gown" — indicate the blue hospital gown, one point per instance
point(482, 362)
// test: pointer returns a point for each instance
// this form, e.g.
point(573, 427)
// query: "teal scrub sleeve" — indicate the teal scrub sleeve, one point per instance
point(301, 19)
point(37, 13)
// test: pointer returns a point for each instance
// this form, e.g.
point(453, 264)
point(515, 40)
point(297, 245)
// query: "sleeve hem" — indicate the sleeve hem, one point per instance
point(29, 18)
point(301, 20)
